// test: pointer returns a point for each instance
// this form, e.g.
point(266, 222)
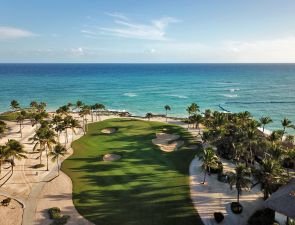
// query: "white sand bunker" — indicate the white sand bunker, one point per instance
point(168, 142)
point(108, 130)
point(111, 157)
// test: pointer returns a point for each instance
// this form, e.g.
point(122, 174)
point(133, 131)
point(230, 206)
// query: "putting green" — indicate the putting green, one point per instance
point(145, 187)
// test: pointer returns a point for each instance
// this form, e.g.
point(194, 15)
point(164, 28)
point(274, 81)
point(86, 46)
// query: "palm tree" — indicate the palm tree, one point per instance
point(83, 113)
point(209, 158)
point(57, 152)
point(3, 155)
point(251, 137)
point(14, 105)
point(79, 105)
point(41, 107)
point(59, 128)
point(192, 109)
point(264, 120)
point(20, 119)
point(167, 107)
point(286, 123)
point(15, 150)
point(3, 127)
point(34, 105)
point(240, 179)
point(149, 116)
point(270, 172)
point(63, 110)
point(98, 107)
point(196, 119)
point(44, 138)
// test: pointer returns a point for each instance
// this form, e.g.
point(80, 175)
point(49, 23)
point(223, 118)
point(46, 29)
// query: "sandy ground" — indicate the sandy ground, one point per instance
point(215, 196)
point(58, 193)
point(12, 214)
point(168, 142)
point(111, 157)
point(108, 130)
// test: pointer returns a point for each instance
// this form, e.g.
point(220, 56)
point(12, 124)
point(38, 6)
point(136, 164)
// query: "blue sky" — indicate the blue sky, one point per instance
point(147, 31)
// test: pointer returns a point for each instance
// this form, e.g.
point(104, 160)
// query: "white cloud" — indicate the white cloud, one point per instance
point(78, 51)
point(14, 33)
point(124, 27)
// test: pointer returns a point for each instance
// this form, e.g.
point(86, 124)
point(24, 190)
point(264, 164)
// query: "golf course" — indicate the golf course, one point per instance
point(140, 184)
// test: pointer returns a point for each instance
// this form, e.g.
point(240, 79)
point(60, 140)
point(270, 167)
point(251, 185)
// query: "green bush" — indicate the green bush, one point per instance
point(62, 220)
point(262, 217)
point(54, 213)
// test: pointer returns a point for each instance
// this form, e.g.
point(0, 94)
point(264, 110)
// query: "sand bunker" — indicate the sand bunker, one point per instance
point(108, 130)
point(111, 157)
point(168, 142)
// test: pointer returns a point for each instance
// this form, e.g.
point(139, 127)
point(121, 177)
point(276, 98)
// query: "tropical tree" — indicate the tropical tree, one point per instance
point(63, 110)
point(15, 150)
point(3, 127)
point(20, 120)
point(286, 123)
point(149, 116)
point(3, 156)
point(209, 159)
point(41, 107)
point(14, 105)
point(73, 125)
point(240, 179)
point(56, 153)
point(44, 139)
point(34, 105)
point(264, 120)
point(85, 110)
point(79, 105)
point(192, 109)
point(167, 107)
point(197, 119)
point(270, 172)
point(98, 107)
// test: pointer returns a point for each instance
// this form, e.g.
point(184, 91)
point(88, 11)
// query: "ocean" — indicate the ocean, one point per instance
point(262, 89)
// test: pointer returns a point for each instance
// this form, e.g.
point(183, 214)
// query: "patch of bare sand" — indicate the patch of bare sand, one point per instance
point(108, 130)
point(11, 214)
point(58, 193)
point(111, 157)
point(168, 142)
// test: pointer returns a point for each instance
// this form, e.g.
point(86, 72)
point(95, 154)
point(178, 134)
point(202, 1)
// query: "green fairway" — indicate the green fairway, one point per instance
point(145, 187)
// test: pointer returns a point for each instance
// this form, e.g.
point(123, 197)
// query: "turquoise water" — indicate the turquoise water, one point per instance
point(262, 89)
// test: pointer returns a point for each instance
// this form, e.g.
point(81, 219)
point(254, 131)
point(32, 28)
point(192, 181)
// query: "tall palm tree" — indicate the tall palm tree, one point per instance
point(3, 155)
point(240, 179)
point(20, 120)
point(83, 113)
point(192, 109)
point(3, 128)
point(73, 125)
point(264, 120)
point(63, 110)
point(15, 150)
point(149, 115)
point(286, 123)
point(14, 105)
point(167, 107)
point(58, 129)
point(209, 159)
point(44, 138)
point(270, 172)
point(57, 152)
point(34, 105)
point(79, 105)
point(251, 138)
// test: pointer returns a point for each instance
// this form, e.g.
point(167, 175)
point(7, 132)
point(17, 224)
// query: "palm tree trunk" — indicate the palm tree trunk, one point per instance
point(92, 116)
point(263, 128)
point(20, 130)
point(205, 173)
point(166, 116)
point(0, 167)
point(41, 156)
point(47, 158)
point(57, 166)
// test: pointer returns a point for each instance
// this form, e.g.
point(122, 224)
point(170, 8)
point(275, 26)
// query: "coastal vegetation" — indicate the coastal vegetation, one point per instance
point(143, 175)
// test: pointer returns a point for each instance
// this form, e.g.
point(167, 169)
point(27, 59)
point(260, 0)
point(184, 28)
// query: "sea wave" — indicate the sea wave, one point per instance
point(234, 89)
point(261, 102)
point(178, 96)
point(130, 94)
point(230, 95)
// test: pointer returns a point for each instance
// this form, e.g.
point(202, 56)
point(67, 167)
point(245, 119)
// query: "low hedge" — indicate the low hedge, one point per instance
point(262, 217)
point(54, 213)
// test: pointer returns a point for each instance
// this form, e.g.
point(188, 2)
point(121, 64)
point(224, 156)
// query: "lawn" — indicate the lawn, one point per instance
point(145, 187)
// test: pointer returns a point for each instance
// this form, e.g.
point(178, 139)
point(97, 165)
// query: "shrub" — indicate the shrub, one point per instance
point(6, 201)
point(54, 213)
point(262, 217)
point(62, 220)
point(216, 169)
point(236, 208)
point(218, 216)
point(37, 166)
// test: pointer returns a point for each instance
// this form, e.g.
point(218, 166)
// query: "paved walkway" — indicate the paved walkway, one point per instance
point(215, 196)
